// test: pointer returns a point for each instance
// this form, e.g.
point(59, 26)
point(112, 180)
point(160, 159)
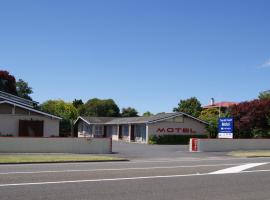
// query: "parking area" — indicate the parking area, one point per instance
point(144, 151)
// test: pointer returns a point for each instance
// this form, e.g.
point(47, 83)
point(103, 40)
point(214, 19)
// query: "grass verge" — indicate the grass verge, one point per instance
point(54, 158)
point(258, 153)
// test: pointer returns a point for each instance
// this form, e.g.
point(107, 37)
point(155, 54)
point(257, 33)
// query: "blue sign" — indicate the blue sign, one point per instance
point(225, 127)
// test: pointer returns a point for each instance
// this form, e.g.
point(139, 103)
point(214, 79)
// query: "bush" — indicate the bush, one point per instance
point(173, 139)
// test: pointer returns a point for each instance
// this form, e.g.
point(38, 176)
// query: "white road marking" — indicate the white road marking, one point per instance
point(116, 169)
point(131, 162)
point(121, 179)
point(237, 169)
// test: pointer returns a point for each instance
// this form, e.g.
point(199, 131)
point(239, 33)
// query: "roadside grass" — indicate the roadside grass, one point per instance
point(54, 158)
point(257, 153)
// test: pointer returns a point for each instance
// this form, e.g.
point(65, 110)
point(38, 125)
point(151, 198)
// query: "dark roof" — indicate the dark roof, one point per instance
point(30, 109)
point(138, 120)
point(132, 120)
point(17, 99)
point(97, 120)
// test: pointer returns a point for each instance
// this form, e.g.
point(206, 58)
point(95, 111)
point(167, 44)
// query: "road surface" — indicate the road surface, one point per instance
point(205, 177)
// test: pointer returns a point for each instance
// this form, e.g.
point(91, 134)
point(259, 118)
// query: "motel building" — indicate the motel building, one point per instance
point(139, 129)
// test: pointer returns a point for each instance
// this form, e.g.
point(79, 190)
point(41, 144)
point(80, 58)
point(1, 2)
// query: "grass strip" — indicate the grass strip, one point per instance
point(40, 158)
point(257, 153)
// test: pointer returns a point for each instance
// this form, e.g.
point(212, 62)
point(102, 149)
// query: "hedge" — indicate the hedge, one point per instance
point(173, 139)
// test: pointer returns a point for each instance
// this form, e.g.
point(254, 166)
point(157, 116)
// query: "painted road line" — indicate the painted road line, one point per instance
point(121, 179)
point(237, 169)
point(125, 162)
point(117, 169)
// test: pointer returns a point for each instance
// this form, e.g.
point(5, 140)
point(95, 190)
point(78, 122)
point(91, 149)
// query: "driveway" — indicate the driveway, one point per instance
point(144, 151)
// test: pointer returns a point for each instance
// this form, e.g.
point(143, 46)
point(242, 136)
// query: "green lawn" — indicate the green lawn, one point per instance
point(51, 158)
point(258, 153)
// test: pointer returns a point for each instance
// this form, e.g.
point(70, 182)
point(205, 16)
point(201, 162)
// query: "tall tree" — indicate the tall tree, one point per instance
point(251, 119)
point(191, 106)
point(264, 95)
point(23, 89)
point(64, 110)
point(147, 114)
point(211, 116)
point(100, 108)
point(77, 103)
point(7, 83)
point(129, 112)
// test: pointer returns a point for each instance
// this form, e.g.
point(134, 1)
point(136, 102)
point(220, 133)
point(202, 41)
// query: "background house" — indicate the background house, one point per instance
point(18, 117)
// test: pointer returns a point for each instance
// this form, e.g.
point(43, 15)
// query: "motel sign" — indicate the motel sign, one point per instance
point(225, 127)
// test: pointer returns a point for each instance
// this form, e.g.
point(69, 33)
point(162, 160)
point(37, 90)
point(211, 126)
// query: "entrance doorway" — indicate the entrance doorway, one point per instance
point(120, 135)
point(30, 128)
point(132, 134)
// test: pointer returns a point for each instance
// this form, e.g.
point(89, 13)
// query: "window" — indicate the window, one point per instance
point(140, 132)
point(126, 130)
point(111, 130)
point(98, 131)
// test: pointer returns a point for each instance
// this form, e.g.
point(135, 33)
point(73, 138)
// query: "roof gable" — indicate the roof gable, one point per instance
point(30, 109)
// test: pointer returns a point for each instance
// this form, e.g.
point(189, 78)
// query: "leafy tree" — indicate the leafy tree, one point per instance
point(191, 106)
point(100, 108)
point(251, 119)
point(147, 114)
point(129, 112)
point(7, 83)
point(64, 110)
point(211, 116)
point(264, 95)
point(23, 90)
point(60, 108)
point(77, 103)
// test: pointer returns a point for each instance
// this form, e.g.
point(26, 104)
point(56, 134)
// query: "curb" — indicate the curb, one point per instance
point(56, 162)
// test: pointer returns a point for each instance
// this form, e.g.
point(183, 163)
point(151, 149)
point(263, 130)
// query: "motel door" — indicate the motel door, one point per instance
point(120, 132)
point(132, 134)
point(30, 128)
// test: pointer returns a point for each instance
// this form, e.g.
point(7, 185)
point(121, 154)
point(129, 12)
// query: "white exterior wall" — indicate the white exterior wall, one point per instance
point(177, 128)
point(55, 145)
point(9, 124)
point(225, 145)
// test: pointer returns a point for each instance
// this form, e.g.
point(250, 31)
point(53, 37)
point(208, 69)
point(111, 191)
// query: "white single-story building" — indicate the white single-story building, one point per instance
point(18, 117)
point(139, 129)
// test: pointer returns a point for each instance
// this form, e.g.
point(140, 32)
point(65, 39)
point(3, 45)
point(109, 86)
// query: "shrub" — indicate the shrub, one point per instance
point(173, 139)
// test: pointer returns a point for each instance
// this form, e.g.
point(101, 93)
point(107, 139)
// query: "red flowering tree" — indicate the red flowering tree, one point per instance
point(252, 119)
point(7, 82)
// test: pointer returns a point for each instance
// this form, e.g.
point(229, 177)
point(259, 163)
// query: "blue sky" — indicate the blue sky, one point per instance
point(141, 53)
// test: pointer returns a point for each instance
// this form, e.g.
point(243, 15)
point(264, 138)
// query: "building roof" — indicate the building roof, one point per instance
point(95, 120)
point(223, 104)
point(133, 120)
point(30, 109)
point(17, 99)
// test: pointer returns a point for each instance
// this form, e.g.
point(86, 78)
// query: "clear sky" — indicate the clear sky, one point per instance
point(141, 53)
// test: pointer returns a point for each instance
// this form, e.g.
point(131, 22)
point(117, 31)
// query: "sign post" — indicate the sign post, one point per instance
point(225, 127)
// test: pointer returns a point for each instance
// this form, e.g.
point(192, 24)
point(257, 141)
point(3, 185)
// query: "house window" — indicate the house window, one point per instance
point(126, 130)
point(98, 131)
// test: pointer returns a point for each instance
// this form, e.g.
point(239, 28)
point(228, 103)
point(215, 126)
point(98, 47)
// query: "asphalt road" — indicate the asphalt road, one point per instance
point(151, 179)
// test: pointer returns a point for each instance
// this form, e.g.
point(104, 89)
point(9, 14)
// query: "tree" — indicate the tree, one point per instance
point(7, 83)
point(191, 106)
point(251, 119)
point(23, 90)
point(129, 112)
point(77, 103)
point(147, 114)
point(100, 108)
point(211, 116)
point(264, 95)
point(64, 110)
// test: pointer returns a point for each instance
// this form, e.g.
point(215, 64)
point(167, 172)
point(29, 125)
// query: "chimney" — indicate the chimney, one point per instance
point(212, 102)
